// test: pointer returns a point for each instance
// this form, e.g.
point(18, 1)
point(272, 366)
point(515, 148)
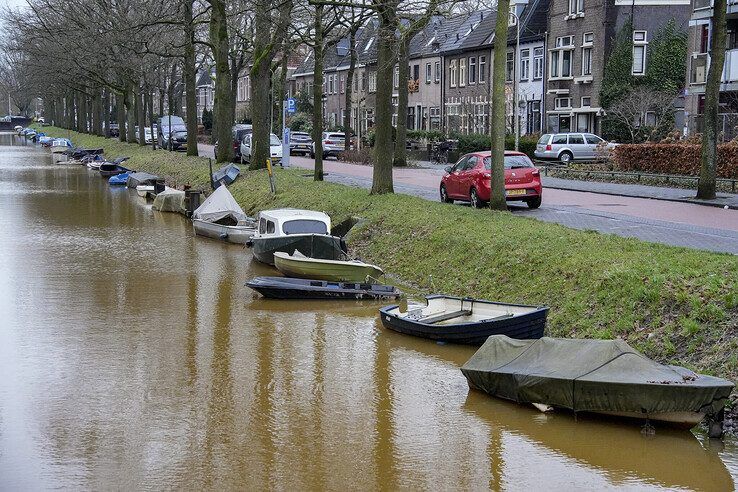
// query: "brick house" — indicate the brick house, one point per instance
point(581, 36)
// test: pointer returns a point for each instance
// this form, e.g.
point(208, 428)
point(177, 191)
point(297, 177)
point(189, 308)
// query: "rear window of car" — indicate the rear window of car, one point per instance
point(559, 139)
point(336, 136)
point(241, 133)
point(304, 226)
point(273, 140)
point(511, 162)
point(544, 139)
point(300, 135)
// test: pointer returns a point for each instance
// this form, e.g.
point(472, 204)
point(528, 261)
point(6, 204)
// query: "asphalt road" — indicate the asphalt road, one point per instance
point(677, 224)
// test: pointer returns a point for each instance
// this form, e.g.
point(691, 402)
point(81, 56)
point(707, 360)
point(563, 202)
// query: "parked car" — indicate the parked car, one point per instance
point(301, 143)
point(114, 130)
point(147, 134)
point(177, 132)
point(469, 180)
point(333, 144)
point(566, 147)
point(238, 131)
point(275, 148)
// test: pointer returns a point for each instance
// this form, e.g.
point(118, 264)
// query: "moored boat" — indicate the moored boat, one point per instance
point(225, 175)
point(220, 217)
point(60, 146)
point(595, 376)
point(137, 179)
point(119, 179)
point(465, 320)
point(298, 265)
point(289, 230)
point(144, 190)
point(297, 288)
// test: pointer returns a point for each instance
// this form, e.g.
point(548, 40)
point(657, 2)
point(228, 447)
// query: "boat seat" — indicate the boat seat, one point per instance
point(437, 318)
point(502, 316)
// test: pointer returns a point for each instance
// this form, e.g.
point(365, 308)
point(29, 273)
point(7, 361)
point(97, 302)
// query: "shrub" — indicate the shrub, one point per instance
point(676, 158)
point(207, 119)
point(301, 122)
point(361, 156)
point(477, 141)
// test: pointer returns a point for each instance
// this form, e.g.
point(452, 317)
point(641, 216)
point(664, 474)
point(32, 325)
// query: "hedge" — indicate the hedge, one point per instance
point(477, 141)
point(674, 158)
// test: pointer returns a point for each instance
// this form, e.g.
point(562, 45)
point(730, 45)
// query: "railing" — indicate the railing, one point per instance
point(700, 64)
point(728, 125)
point(730, 69)
point(666, 178)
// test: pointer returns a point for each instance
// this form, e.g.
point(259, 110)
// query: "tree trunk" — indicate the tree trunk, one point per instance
point(106, 113)
point(402, 96)
point(80, 114)
point(497, 125)
point(129, 101)
point(708, 158)
point(319, 51)
point(121, 117)
point(189, 73)
point(349, 90)
point(141, 117)
point(383, 145)
point(260, 114)
point(222, 102)
point(150, 97)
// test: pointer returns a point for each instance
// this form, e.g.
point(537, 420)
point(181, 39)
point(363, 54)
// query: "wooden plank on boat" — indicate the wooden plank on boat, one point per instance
point(445, 316)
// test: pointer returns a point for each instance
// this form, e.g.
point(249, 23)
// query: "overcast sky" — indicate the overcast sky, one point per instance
point(13, 3)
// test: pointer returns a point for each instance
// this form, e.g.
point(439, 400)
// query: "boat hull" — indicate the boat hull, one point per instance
point(312, 245)
point(525, 326)
point(287, 288)
point(329, 270)
point(231, 234)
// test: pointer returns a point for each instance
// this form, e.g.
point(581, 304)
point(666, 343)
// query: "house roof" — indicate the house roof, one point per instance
point(533, 22)
point(204, 78)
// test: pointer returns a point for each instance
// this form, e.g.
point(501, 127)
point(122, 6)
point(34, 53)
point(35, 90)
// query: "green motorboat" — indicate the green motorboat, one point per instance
point(300, 266)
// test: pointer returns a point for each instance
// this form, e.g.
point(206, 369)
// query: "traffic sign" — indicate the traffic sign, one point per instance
point(291, 105)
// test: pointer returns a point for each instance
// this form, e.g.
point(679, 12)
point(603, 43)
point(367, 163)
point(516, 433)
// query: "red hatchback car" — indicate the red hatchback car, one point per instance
point(469, 180)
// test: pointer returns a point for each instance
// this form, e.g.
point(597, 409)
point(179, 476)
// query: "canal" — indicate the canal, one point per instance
point(132, 356)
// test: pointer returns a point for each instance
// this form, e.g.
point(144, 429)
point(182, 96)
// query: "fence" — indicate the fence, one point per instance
point(727, 122)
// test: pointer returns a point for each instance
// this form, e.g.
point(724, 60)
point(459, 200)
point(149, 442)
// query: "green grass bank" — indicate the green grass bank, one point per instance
point(677, 305)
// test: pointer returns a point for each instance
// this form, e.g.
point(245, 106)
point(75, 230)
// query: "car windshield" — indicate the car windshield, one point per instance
point(273, 140)
point(241, 133)
point(544, 139)
point(175, 120)
point(304, 226)
point(511, 162)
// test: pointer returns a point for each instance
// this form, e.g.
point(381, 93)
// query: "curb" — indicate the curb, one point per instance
point(665, 199)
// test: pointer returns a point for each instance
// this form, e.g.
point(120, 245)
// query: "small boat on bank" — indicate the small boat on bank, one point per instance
point(465, 320)
point(220, 217)
point(297, 288)
point(108, 169)
point(144, 190)
point(289, 230)
point(298, 265)
point(60, 146)
point(596, 376)
point(137, 179)
point(225, 175)
point(119, 179)
point(170, 200)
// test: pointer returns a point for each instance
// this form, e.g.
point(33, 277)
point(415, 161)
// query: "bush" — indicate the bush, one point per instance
point(676, 158)
point(477, 141)
point(427, 136)
point(362, 156)
point(207, 119)
point(301, 122)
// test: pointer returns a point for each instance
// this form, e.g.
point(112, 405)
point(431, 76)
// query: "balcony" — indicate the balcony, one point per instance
point(701, 63)
point(702, 9)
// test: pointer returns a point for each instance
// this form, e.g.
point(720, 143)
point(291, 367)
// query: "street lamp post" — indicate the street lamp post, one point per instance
point(516, 117)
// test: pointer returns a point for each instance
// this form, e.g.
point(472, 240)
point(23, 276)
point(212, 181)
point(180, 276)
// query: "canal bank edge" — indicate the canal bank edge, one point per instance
point(676, 305)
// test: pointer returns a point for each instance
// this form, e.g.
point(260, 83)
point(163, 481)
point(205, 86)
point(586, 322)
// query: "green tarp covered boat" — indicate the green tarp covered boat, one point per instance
point(598, 376)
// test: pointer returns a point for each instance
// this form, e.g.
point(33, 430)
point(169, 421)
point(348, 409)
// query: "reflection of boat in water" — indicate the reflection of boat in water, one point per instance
point(670, 458)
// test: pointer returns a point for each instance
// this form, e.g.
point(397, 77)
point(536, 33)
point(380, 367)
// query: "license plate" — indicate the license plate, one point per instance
point(521, 191)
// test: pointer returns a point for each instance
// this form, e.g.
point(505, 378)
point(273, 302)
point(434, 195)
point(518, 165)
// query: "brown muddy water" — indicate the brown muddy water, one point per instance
point(133, 357)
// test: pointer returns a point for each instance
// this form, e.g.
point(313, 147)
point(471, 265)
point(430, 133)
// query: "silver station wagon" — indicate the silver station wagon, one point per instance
point(567, 147)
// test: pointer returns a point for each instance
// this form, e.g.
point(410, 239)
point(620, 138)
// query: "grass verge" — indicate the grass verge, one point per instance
point(677, 305)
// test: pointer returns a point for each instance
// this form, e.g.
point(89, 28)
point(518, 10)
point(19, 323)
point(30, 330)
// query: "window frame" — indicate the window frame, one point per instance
point(640, 44)
point(482, 74)
point(428, 73)
point(524, 65)
point(472, 70)
point(453, 75)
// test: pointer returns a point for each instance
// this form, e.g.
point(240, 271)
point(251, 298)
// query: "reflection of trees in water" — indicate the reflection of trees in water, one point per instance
point(191, 344)
point(384, 452)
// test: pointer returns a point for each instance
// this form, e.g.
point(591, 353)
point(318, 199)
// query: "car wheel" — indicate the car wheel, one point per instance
point(566, 157)
point(534, 202)
point(312, 155)
point(474, 199)
point(444, 195)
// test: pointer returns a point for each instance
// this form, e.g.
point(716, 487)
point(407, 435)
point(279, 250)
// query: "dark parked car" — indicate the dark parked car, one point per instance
point(301, 143)
point(114, 130)
point(177, 132)
point(238, 131)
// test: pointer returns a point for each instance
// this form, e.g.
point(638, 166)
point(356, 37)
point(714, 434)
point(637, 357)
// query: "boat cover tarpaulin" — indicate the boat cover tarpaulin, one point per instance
point(226, 174)
point(590, 376)
point(138, 179)
point(218, 205)
point(170, 200)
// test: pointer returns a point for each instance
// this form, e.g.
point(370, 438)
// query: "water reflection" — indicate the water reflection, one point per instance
point(133, 355)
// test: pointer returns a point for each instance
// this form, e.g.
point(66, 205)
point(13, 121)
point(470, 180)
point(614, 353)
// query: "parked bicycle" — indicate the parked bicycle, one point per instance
point(440, 153)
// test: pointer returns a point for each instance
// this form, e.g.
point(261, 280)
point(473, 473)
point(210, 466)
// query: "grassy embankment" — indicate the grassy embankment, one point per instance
point(676, 305)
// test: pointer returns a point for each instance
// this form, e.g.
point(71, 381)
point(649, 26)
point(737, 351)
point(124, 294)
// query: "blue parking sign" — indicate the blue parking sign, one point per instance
point(291, 105)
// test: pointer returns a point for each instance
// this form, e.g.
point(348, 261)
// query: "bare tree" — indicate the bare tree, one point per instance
point(634, 110)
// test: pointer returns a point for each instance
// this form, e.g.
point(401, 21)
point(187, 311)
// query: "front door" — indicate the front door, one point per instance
point(453, 182)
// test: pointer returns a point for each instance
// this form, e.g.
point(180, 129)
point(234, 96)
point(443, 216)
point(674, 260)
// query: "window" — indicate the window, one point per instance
point(304, 226)
point(524, 64)
point(576, 139)
point(592, 139)
point(561, 58)
point(270, 227)
point(438, 72)
point(559, 139)
point(342, 83)
point(563, 103)
point(373, 82)
point(586, 101)
point(452, 73)
point(462, 72)
point(537, 63)
point(416, 73)
point(396, 78)
point(639, 52)
point(331, 84)
point(509, 66)
point(472, 70)
point(482, 68)
point(428, 73)
point(587, 42)
point(576, 7)
point(363, 81)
